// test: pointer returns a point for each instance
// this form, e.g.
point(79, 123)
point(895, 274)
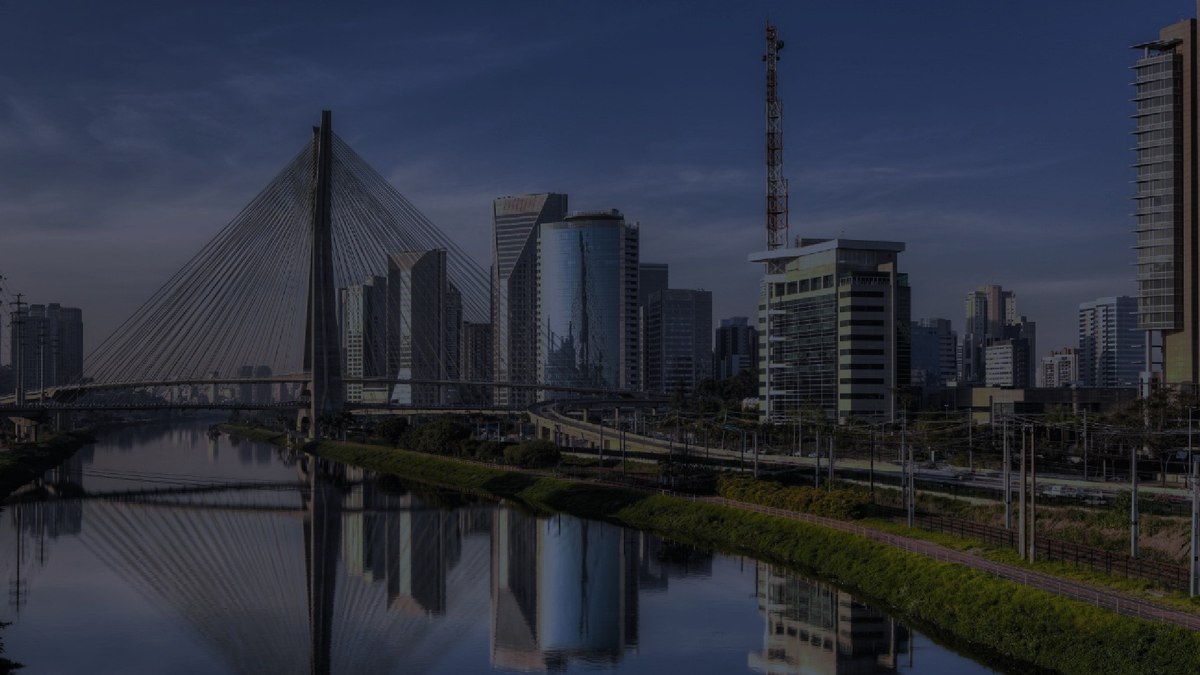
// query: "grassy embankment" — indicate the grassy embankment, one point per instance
point(1004, 618)
point(25, 462)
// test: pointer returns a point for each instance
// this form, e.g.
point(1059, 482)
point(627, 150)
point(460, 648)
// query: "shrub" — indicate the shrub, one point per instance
point(841, 503)
point(532, 454)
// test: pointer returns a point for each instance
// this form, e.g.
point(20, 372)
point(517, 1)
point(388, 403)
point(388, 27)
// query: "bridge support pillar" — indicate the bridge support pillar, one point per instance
point(322, 353)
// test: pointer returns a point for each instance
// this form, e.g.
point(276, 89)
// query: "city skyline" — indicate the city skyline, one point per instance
point(124, 165)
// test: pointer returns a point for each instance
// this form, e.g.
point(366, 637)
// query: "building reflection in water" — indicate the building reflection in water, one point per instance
point(813, 627)
point(373, 577)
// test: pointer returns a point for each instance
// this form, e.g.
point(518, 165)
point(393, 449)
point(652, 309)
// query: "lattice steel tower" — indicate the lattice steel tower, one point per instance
point(777, 197)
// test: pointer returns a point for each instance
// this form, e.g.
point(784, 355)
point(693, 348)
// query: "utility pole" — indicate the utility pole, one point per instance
point(872, 470)
point(1085, 441)
point(830, 461)
point(756, 454)
point(42, 363)
point(912, 483)
point(18, 323)
point(970, 443)
point(1021, 510)
point(817, 457)
point(1133, 502)
point(1194, 576)
point(1007, 477)
point(1033, 493)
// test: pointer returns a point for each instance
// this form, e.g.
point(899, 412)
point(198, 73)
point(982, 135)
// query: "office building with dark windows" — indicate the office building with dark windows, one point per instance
point(587, 302)
point(515, 225)
point(1110, 344)
point(678, 340)
point(833, 330)
point(735, 347)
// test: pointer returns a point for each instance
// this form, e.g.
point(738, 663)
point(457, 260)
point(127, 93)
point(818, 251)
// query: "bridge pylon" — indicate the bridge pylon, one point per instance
point(322, 348)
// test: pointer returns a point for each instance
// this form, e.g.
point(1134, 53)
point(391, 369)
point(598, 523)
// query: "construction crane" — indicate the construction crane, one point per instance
point(777, 191)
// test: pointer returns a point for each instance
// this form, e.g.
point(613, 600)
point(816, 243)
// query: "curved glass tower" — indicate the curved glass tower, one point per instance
point(587, 302)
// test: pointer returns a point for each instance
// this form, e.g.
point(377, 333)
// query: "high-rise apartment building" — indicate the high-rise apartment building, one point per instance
point(1059, 369)
point(515, 224)
point(587, 302)
point(991, 316)
point(1165, 204)
point(1111, 352)
point(834, 330)
point(47, 343)
point(678, 340)
point(736, 347)
point(1007, 363)
point(934, 354)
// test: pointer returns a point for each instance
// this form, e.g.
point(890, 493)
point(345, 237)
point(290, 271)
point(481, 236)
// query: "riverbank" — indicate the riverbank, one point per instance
point(26, 462)
point(1012, 621)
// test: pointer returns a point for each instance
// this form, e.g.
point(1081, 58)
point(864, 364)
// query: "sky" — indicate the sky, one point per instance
point(993, 138)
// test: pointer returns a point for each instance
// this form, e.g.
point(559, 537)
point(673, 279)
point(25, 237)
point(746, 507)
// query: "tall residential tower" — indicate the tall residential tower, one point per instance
point(1166, 204)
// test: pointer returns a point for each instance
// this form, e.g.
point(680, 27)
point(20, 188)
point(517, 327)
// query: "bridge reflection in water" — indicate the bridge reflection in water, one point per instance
point(334, 572)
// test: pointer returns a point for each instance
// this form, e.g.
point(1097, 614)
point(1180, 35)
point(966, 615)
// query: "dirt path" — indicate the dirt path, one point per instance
point(1111, 600)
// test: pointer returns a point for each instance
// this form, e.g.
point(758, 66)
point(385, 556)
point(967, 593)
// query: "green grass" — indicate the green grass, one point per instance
point(1009, 620)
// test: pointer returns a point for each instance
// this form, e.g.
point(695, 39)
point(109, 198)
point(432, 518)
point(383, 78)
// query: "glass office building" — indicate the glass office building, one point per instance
point(587, 302)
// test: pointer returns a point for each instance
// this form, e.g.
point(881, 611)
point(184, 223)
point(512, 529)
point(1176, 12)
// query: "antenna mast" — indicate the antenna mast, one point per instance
point(777, 197)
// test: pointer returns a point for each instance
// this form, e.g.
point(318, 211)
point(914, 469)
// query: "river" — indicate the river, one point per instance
point(160, 550)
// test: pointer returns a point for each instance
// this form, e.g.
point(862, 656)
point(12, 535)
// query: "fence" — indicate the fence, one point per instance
point(1170, 575)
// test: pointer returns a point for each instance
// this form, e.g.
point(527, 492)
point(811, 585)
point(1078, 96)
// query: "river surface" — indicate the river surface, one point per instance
point(160, 550)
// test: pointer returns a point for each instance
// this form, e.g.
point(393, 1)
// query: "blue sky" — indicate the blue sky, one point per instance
point(991, 137)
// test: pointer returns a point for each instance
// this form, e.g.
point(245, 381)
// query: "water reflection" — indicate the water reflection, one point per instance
point(813, 627)
point(283, 564)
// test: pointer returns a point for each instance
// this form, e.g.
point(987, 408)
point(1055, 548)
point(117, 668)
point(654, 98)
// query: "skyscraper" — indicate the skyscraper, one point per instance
point(364, 333)
point(587, 302)
point(736, 347)
point(652, 277)
point(833, 330)
point(991, 315)
point(678, 339)
point(47, 341)
point(1111, 352)
point(934, 354)
point(515, 223)
point(1166, 163)
point(418, 297)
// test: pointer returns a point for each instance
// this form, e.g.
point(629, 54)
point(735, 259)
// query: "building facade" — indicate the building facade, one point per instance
point(678, 340)
point(735, 347)
point(1111, 351)
point(934, 354)
point(1059, 369)
point(991, 315)
point(1007, 363)
point(515, 225)
point(364, 333)
point(834, 330)
point(587, 302)
point(476, 354)
point(419, 309)
point(1166, 191)
point(46, 345)
point(652, 277)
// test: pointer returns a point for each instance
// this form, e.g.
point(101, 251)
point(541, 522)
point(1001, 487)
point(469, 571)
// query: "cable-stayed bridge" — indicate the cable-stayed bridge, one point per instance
point(329, 291)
